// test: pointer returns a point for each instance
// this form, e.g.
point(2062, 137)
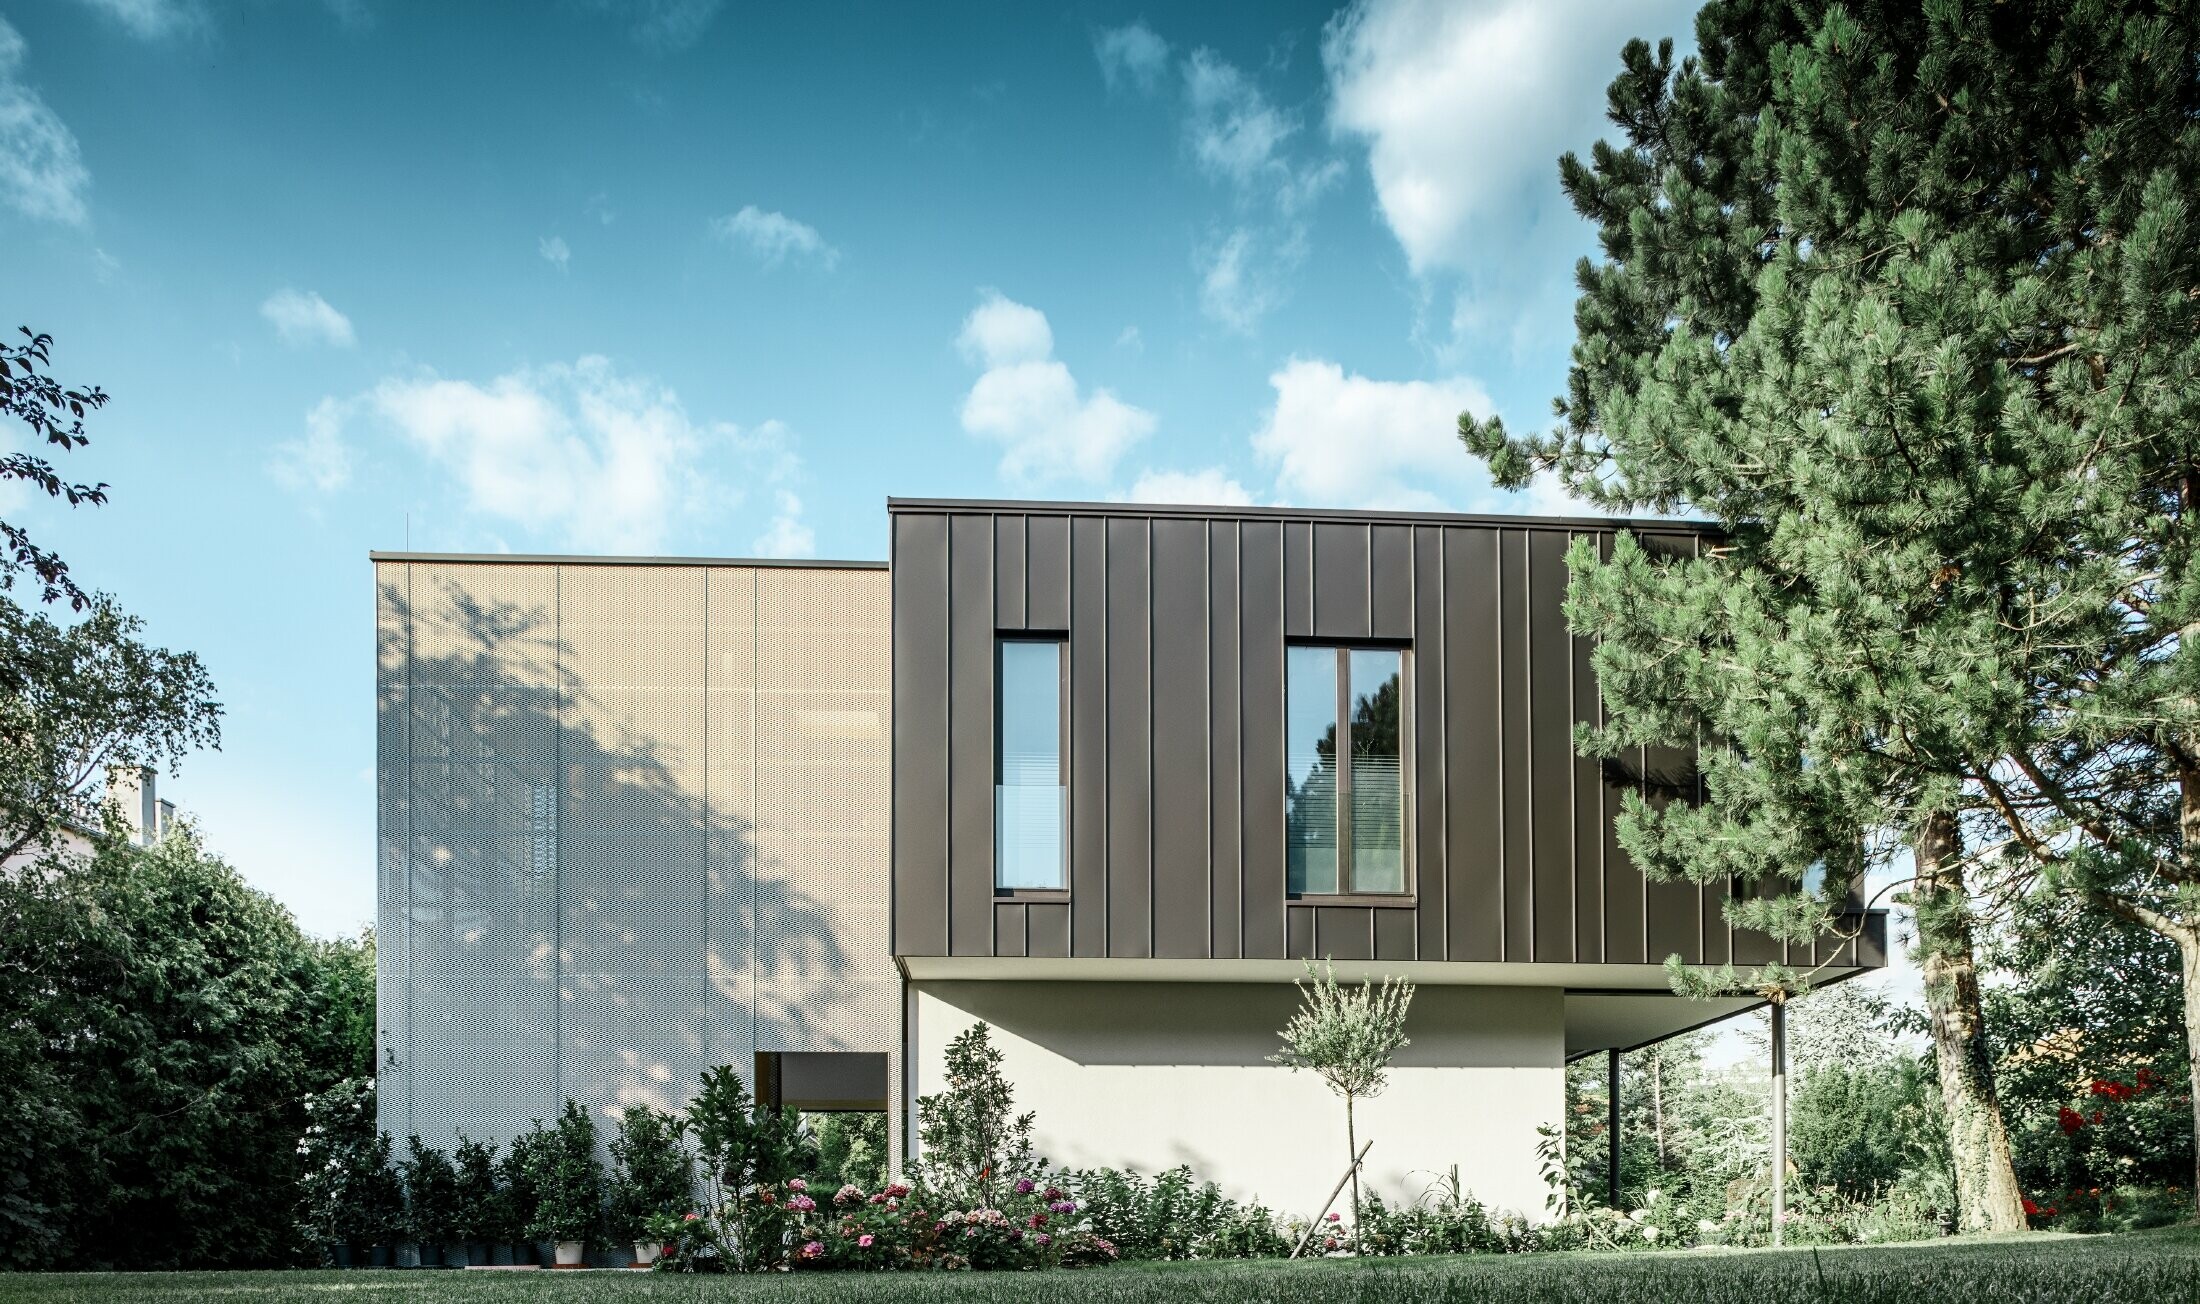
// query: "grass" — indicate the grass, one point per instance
point(2155, 1267)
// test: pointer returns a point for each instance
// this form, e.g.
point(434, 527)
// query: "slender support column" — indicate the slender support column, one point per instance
point(1779, 1118)
point(1611, 1126)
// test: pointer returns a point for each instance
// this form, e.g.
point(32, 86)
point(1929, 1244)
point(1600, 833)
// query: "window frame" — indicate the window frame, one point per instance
point(1347, 892)
point(1060, 642)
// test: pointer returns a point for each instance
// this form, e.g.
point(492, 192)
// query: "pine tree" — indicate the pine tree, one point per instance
point(1903, 297)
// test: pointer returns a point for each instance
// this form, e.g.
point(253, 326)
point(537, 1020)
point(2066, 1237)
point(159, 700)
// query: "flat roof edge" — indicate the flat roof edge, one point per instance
point(562, 559)
point(1040, 508)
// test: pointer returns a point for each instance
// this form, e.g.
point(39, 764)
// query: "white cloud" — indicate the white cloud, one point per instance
point(1027, 401)
point(1131, 56)
point(787, 535)
point(303, 317)
point(150, 19)
point(1234, 131)
point(774, 237)
point(1236, 288)
point(1130, 340)
point(554, 251)
point(1465, 108)
point(1211, 487)
point(662, 25)
point(1339, 440)
point(42, 172)
point(582, 454)
point(321, 459)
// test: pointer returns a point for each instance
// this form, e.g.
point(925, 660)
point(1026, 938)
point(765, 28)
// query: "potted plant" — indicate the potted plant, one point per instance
point(381, 1207)
point(570, 1187)
point(334, 1155)
point(519, 1194)
point(651, 1174)
point(431, 1187)
point(475, 1211)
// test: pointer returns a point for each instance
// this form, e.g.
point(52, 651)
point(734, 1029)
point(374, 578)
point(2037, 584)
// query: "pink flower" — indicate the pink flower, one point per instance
point(802, 1202)
point(897, 1190)
point(1045, 1239)
point(1335, 1217)
point(865, 1240)
point(1025, 1186)
point(812, 1249)
point(1062, 1206)
point(849, 1194)
point(798, 1185)
point(692, 1217)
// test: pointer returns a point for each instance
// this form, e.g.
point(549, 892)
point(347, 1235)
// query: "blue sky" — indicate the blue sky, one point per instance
point(684, 277)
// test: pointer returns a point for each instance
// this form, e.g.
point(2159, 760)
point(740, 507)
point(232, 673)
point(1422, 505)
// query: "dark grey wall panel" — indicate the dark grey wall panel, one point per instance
point(1046, 929)
point(1130, 735)
point(920, 735)
point(1176, 625)
point(1515, 750)
point(1088, 737)
point(1008, 928)
point(1394, 939)
point(1474, 823)
point(1182, 894)
point(1008, 572)
point(1046, 572)
point(1429, 690)
point(1260, 706)
point(1341, 581)
point(970, 741)
point(1551, 748)
point(1226, 828)
point(1393, 571)
point(1298, 579)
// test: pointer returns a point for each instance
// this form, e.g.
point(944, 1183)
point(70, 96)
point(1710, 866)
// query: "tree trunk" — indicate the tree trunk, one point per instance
point(1657, 1104)
point(1352, 1141)
point(1987, 1199)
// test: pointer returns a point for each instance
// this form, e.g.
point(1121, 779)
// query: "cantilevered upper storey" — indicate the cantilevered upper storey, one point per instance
point(1186, 734)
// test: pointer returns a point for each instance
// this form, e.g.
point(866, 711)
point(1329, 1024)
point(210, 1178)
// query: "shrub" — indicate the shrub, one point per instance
point(748, 1152)
point(851, 1147)
point(338, 1159)
point(518, 1188)
point(651, 1171)
point(1169, 1216)
point(476, 1212)
point(975, 1147)
point(431, 1193)
point(568, 1180)
point(1446, 1219)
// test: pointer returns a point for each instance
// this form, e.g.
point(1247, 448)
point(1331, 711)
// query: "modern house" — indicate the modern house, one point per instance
point(1102, 776)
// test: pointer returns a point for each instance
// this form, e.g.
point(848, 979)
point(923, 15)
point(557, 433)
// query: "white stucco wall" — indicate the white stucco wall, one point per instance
point(1150, 1075)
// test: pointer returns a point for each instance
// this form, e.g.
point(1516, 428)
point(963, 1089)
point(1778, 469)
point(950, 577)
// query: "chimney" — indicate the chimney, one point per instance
point(167, 813)
point(131, 790)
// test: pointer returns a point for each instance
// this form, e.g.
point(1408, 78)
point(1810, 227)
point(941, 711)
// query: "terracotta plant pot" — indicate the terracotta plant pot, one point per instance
point(570, 1254)
point(646, 1252)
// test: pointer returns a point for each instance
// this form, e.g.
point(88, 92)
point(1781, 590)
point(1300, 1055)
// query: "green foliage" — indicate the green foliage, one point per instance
point(745, 1149)
point(1172, 1216)
point(851, 1147)
point(478, 1210)
point(1446, 1219)
point(431, 1194)
point(974, 1145)
point(343, 1167)
point(79, 699)
point(651, 1170)
point(2088, 1000)
point(165, 1025)
point(52, 415)
point(519, 1186)
point(1855, 1129)
point(1346, 1037)
point(568, 1180)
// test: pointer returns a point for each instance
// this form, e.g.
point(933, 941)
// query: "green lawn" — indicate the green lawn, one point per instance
point(2154, 1267)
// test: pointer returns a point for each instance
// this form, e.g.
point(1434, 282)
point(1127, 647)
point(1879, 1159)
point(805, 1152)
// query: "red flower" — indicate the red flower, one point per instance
point(2070, 1119)
point(2031, 1210)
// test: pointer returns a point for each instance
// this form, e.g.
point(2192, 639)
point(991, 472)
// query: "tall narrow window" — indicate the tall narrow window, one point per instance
point(1345, 790)
point(1028, 796)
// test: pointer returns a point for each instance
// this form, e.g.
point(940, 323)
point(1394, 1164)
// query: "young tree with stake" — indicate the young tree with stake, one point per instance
point(1347, 1037)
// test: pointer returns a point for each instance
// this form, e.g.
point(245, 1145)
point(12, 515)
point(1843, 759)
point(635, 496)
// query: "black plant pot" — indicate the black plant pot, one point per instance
point(454, 1254)
point(503, 1254)
point(477, 1253)
point(378, 1256)
point(546, 1253)
point(336, 1254)
point(431, 1254)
